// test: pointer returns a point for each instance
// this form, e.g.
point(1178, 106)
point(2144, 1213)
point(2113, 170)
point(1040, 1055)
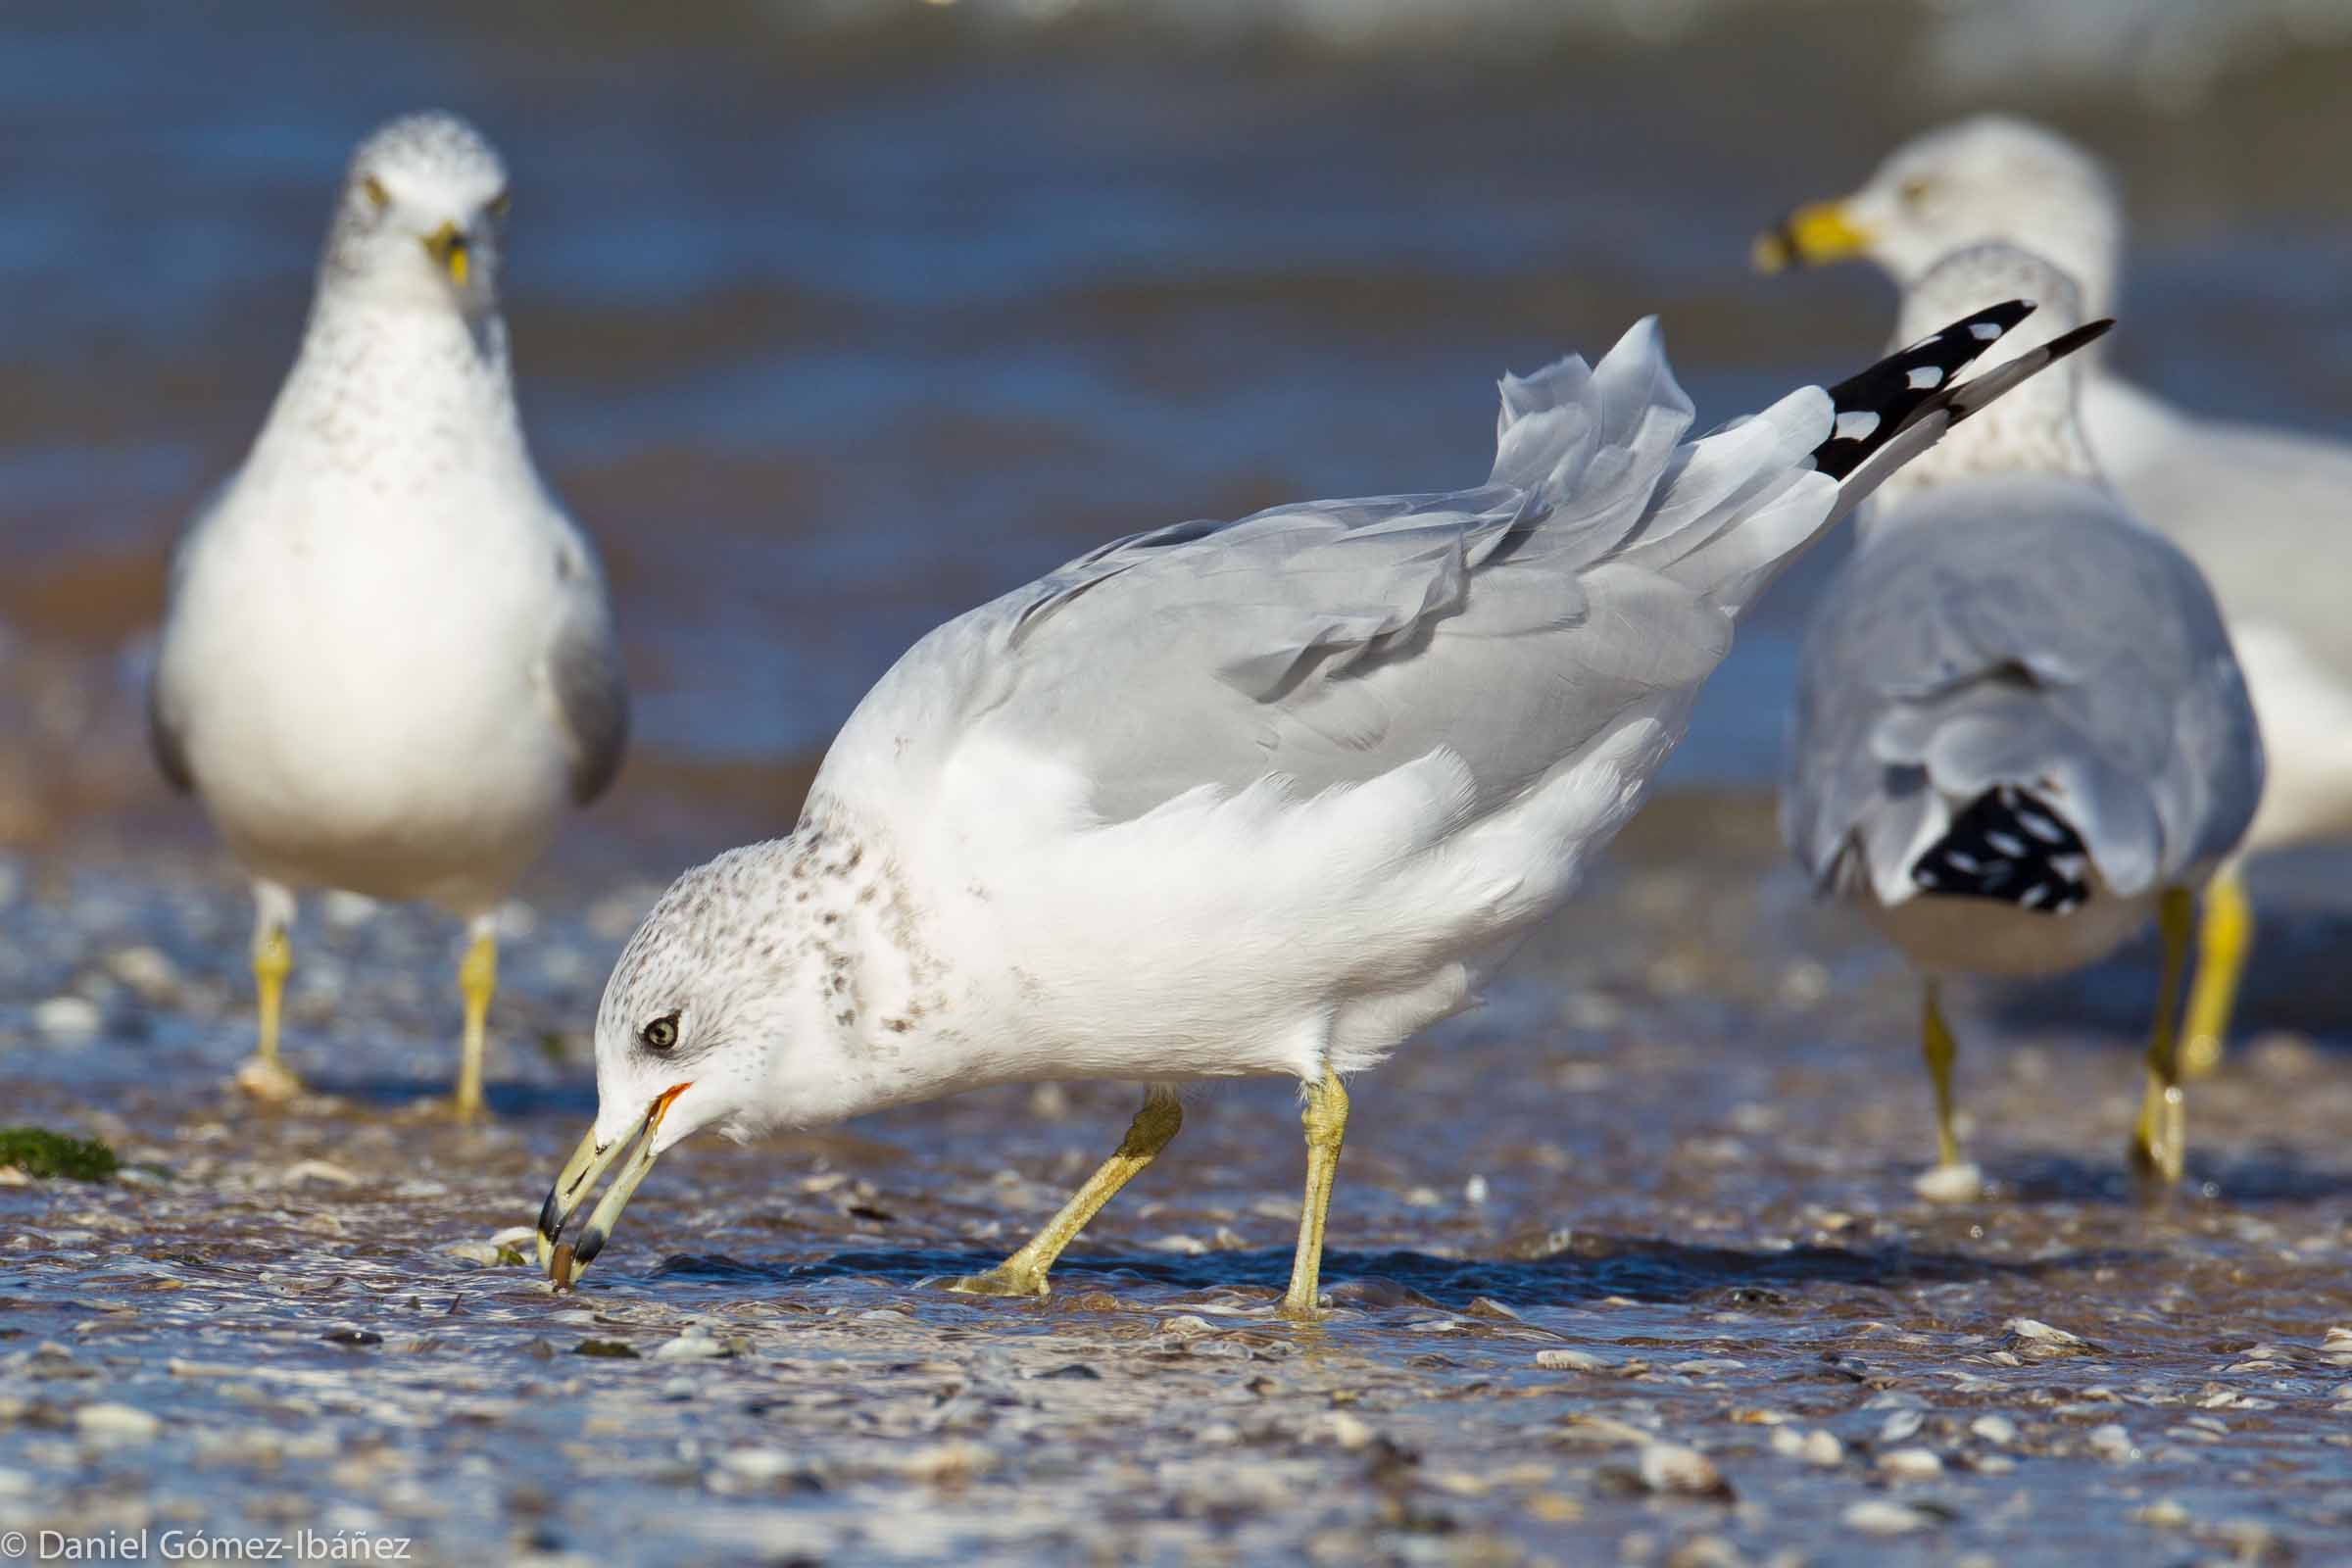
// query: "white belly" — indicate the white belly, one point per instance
point(371, 718)
point(1949, 935)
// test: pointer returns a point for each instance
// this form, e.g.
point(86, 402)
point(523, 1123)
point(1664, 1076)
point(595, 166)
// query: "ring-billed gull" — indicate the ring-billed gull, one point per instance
point(387, 660)
point(2266, 514)
point(1261, 797)
point(2020, 731)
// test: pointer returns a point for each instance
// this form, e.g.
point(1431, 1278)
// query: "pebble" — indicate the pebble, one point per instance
point(691, 1345)
point(946, 1463)
point(1951, 1184)
point(317, 1170)
point(2113, 1443)
point(1817, 1448)
point(117, 1423)
point(68, 1018)
point(2165, 1513)
point(1574, 1361)
point(1346, 1430)
point(1996, 1429)
point(1902, 1424)
point(1911, 1464)
point(1669, 1467)
point(1876, 1516)
point(146, 970)
point(758, 1465)
point(2032, 1337)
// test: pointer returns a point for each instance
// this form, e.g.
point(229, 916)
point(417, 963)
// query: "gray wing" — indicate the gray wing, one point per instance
point(584, 675)
point(1594, 578)
point(1329, 643)
point(2026, 632)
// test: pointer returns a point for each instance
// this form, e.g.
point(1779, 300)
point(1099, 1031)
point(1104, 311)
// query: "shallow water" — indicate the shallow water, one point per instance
point(1675, 1152)
point(835, 321)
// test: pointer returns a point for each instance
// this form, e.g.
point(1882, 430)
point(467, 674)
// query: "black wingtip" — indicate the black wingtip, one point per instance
point(1874, 406)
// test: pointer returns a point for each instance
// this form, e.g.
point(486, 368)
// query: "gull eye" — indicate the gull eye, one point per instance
point(500, 205)
point(662, 1034)
point(1917, 190)
point(376, 193)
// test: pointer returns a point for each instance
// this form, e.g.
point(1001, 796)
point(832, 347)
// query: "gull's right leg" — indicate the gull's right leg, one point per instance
point(266, 1077)
point(1325, 1118)
point(1024, 1272)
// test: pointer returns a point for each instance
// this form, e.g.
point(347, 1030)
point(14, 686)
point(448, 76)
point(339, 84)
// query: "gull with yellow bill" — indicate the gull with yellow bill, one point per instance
point(2265, 512)
point(388, 665)
point(1264, 797)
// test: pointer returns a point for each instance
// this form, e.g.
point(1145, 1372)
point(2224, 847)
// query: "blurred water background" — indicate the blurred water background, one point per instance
point(834, 318)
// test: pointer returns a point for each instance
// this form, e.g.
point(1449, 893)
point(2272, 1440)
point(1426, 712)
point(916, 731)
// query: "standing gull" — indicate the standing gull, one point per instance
point(2267, 514)
point(387, 661)
point(1261, 797)
point(2019, 727)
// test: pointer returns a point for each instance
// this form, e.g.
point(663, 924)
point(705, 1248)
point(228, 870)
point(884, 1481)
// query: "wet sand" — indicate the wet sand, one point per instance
point(1626, 1266)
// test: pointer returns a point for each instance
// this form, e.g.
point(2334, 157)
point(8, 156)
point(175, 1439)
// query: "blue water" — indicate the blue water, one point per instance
point(834, 321)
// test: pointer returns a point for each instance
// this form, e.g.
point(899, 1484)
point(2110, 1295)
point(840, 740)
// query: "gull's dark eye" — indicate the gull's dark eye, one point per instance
point(662, 1034)
point(1917, 190)
point(376, 193)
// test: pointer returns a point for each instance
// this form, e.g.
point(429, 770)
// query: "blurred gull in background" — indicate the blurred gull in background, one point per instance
point(2020, 731)
point(387, 661)
point(1251, 799)
point(2267, 514)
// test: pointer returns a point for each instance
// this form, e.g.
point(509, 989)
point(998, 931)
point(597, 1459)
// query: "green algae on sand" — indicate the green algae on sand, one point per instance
point(43, 1154)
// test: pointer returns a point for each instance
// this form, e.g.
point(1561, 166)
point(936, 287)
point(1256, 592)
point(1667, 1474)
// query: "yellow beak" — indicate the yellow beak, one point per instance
point(447, 247)
point(563, 1261)
point(1816, 232)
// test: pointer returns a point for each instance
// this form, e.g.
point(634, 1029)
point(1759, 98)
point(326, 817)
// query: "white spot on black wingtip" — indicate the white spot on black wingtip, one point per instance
point(2040, 826)
point(2008, 843)
point(1871, 407)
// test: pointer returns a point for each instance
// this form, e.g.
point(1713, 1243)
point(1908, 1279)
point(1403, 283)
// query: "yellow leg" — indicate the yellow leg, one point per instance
point(1326, 1122)
point(1936, 1043)
point(266, 1077)
point(477, 979)
point(1024, 1272)
point(2222, 938)
point(2159, 1140)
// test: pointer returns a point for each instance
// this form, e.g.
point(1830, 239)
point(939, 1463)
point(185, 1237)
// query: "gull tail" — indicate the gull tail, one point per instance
point(1902, 406)
point(1749, 499)
point(2011, 846)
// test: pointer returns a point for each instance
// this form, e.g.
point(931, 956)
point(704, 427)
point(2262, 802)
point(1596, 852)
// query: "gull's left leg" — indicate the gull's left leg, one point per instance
point(1024, 1272)
point(1952, 1179)
point(2159, 1140)
point(477, 980)
point(1938, 1047)
point(1326, 1122)
point(2222, 938)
